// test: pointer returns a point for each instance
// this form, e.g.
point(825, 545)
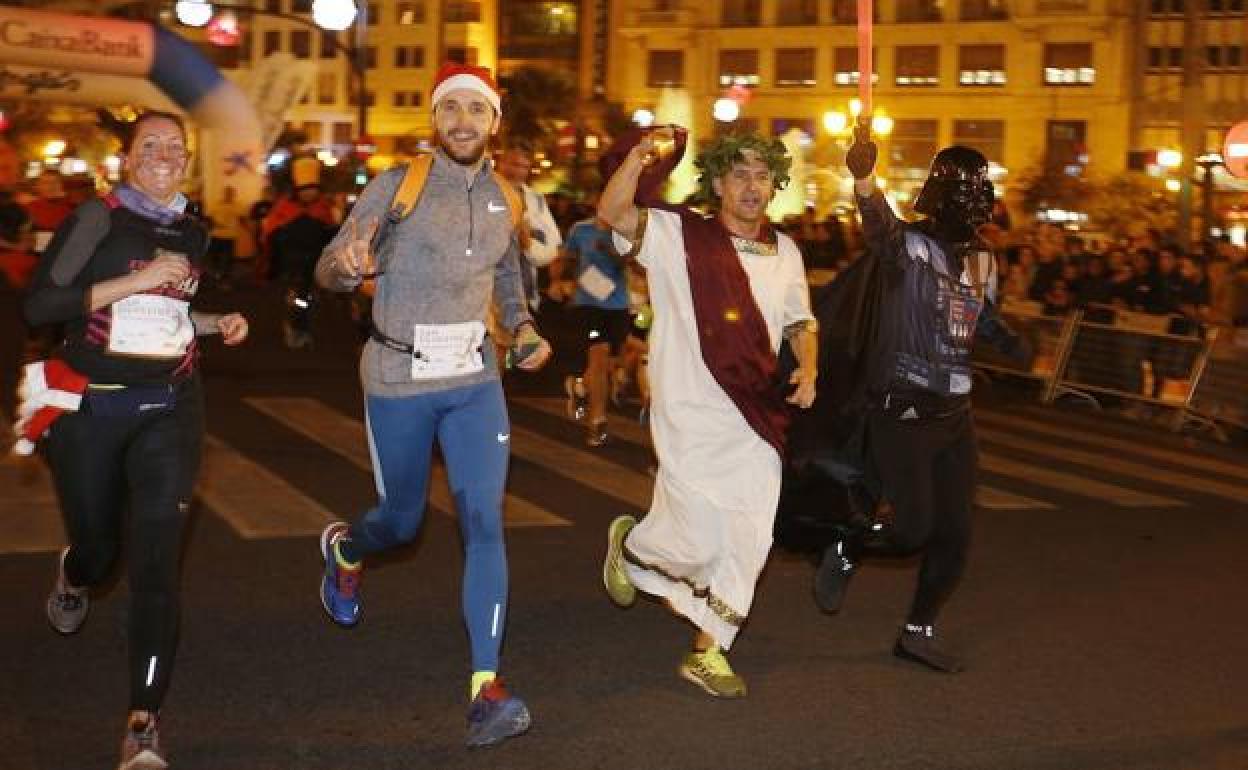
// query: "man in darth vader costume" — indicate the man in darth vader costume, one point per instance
point(892, 418)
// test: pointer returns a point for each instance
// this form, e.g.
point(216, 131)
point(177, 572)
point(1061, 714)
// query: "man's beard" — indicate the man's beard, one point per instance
point(474, 154)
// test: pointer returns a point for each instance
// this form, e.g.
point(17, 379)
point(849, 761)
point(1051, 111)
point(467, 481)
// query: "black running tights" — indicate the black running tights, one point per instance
point(928, 470)
point(146, 465)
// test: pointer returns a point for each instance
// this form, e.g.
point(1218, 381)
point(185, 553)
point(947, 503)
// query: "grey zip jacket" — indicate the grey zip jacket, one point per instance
point(443, 264)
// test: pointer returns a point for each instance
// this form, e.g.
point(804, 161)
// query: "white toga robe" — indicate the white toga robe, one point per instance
point(708, 532)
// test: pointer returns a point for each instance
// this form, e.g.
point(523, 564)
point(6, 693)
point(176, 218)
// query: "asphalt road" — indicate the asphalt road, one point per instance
point(1103, 613)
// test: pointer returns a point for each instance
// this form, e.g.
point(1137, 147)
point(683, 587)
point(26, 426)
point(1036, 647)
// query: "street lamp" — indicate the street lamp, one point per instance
point(726, 110)
point(330, 15)
point(834, 121)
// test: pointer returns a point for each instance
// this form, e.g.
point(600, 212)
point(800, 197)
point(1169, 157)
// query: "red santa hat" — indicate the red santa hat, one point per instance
point(452, 76)
point(48, 390)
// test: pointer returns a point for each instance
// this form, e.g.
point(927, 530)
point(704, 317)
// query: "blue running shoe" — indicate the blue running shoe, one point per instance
point(495, 715)
point(340, 587)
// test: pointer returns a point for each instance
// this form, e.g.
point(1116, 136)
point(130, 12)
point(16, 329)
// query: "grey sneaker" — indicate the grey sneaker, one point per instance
point(67, 605)
point(140, 749)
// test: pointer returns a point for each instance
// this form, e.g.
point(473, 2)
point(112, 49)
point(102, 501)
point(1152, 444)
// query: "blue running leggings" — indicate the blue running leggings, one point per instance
point(470, 424)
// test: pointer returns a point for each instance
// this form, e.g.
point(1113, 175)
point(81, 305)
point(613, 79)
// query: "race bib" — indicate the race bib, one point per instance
point(447, 350)
point(151, 326)
point(596, 283)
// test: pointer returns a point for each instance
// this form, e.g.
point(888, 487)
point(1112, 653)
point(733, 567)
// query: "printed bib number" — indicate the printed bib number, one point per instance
point(447, 350)
point(596, 283)
point(151, 326)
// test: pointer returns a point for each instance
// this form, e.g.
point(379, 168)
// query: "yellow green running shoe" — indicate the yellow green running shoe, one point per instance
point(614, 578)
point(710, 671)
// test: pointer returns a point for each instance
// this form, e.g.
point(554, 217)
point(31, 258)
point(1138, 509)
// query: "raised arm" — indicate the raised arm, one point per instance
point(882, 230)
point(616, 206)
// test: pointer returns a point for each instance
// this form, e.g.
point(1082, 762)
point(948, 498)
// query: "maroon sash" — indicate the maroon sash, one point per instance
point(732, 334)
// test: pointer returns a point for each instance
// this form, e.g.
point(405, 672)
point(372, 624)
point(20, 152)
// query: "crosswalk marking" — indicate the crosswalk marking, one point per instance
point(1101, 461)
point(345, 436)
point(630, 430)
point(253, 500)
point(616, 480)
point(1069, 482)
point(1188, 460)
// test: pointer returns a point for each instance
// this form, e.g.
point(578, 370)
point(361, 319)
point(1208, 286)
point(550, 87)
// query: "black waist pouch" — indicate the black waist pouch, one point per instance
point(130, 401)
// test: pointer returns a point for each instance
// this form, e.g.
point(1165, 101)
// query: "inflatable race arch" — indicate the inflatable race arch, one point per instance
point(102, 61)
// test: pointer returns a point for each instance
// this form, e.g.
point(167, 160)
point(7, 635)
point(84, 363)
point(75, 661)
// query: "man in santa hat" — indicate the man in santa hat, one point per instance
point(429, 372)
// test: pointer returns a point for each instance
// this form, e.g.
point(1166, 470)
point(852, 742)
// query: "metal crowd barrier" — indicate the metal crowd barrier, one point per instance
point(1103, 354)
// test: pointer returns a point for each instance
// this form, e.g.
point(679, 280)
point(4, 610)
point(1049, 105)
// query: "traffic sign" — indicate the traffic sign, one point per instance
point(1235, 150)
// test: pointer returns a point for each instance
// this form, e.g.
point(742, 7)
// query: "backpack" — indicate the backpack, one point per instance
point(408, 195)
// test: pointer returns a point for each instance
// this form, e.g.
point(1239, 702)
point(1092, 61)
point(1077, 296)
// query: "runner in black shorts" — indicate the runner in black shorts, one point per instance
point(601, 303)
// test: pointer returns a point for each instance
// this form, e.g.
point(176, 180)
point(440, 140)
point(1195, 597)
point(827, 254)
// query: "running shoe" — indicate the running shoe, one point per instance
point(67, 605)
point(709, 670)
point(917, 643)
point(597, 435)
point(140, 749)
point(614, 578)
point(496, 715)
point(576, 406)
point(340, 587)
point(832, 577)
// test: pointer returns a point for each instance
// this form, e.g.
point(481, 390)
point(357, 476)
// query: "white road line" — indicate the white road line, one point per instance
point(1000, 500)
point(1103, 461)
point(1070, 483)
point(345, 436)
point(253, 500)
point(619, 481)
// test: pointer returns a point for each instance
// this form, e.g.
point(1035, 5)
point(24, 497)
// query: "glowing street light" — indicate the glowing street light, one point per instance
point(335, 15)
point(54, 149)
point(1169, 158)
point(1174, 185)
point(882, 125)
point(855, 106)
point(834, 121)
point(643, 117)
point(193, 13)
point(725, 110)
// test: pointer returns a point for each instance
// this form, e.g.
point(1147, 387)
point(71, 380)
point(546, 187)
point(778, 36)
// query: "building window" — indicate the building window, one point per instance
point(797, 13)
point(912, 145)
point(741, 13)
point(462, 55)
point(370, 99)
point(1066, 146)
point(1162, 59)
point(919, 10)
point(845, 66)
point(984, 10)
point(409, 13)
point(665, 69)
point(795, 67)
point(846, 12)
point(1234, 57)
point(409, 56)
point(343, 133)
point(329, 47)
point(406, 99)
point(1225, 57)
point(1226, 7)
point(370, 57)
point(272, 41)
point(917, 65)
point(326, 87)
point(981, 65)
point(1068, 64)
point(738, 67)
point(461, 11)
point(273, 6)
point(781, 126)
point(301, 43)
point(1165, 7)
point(301, 6)
point(987, 136)
point(541, 19)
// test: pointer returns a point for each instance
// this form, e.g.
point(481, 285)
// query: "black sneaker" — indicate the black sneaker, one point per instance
point(918, 644)
point(832, 577)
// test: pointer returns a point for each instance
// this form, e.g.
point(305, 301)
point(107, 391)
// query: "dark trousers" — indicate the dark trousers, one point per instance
point(144, 464)
point(927, 468)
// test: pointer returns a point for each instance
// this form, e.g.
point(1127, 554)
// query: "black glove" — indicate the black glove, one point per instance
point(860, 159)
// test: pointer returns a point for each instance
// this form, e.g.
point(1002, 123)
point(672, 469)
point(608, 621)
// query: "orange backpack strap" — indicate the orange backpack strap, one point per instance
point(408, 194)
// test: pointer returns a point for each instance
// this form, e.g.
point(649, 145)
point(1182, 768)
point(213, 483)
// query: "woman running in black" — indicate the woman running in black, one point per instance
point(120, 274)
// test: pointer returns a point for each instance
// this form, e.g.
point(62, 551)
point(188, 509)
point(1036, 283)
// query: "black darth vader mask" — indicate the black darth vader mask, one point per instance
point(958, 194)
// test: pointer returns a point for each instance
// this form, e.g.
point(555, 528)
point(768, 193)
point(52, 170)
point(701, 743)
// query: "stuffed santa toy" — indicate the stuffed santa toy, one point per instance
point(48, 390)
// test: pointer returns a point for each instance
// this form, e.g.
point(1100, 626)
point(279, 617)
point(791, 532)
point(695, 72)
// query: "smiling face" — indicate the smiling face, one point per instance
point(745, 190)
point(156, 158)
point(464, 122)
